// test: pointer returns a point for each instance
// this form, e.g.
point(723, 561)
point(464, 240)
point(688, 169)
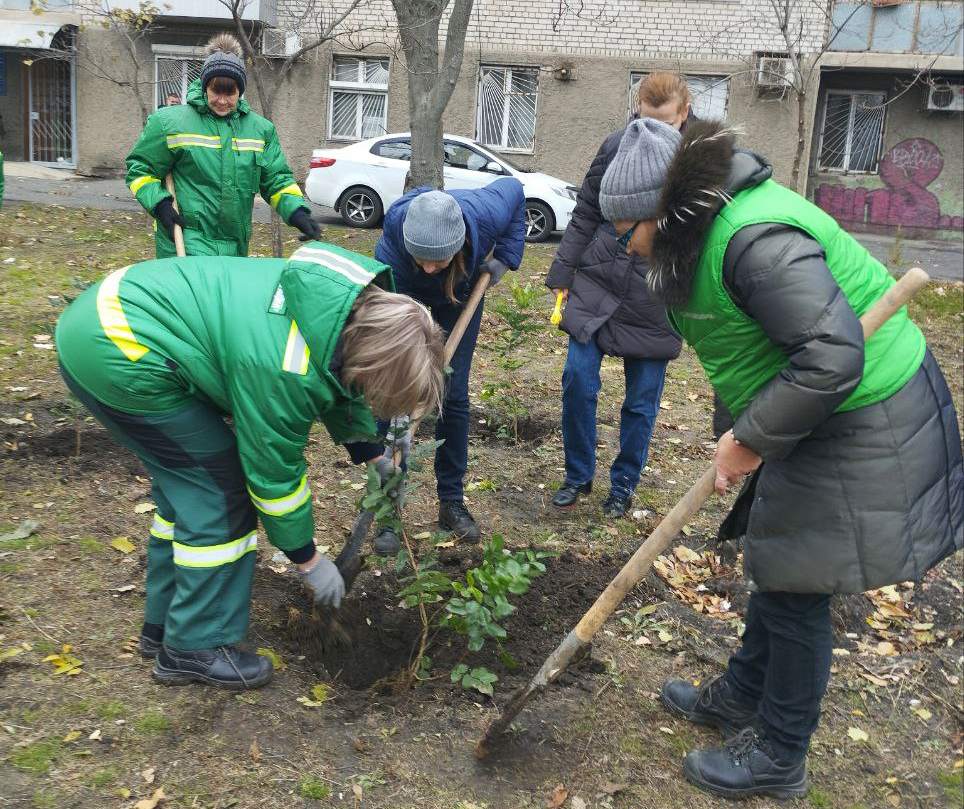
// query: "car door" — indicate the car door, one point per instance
point(464, 167)
point(388, 164)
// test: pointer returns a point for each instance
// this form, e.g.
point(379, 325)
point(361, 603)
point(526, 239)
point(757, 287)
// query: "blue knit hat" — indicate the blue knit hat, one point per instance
point(434, 229)
point(632, 185)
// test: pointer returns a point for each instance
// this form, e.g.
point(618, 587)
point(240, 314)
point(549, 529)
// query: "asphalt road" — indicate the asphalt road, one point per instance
point(944, 260)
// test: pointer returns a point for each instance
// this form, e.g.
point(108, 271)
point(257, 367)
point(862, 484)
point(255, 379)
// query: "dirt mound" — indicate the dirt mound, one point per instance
point(375, 639)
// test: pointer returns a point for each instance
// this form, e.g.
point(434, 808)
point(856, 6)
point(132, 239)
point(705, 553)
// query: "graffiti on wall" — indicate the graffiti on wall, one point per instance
point(906, 171)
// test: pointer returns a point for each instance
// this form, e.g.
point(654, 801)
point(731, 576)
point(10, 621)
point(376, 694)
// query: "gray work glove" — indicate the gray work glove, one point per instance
point(399, 437)
point(495, 268)
point(324, 582)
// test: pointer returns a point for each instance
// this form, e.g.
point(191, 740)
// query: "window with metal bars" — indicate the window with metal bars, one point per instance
point(852, 132)
point(506, 113)
point(172, 76)
point(358, 106)
point(710, 95)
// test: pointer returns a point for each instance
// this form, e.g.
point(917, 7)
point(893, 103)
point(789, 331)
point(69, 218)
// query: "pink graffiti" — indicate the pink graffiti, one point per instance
point(907, 169)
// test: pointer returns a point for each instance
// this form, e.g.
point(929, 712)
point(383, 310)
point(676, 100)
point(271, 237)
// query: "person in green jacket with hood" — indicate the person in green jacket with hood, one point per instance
point(220, 155)
point(161, 351)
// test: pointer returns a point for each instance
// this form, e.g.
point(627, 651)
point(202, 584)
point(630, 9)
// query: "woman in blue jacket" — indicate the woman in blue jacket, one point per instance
point(437, 244)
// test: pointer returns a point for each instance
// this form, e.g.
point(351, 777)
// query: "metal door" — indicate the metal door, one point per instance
point(52, 118)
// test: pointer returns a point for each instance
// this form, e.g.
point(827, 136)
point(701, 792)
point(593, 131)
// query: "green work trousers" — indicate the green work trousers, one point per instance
point(200, 551)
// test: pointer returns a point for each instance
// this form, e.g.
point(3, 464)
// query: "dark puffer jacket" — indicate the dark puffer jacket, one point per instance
point(846, 502)
point(608, 296)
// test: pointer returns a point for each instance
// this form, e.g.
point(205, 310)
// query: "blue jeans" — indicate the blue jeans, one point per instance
point(452, 458)
point(783, 666)
point(580, 393)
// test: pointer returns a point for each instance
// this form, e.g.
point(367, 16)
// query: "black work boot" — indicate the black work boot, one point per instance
point(152, 635)
point(568, 495)
point(386, 542)
point(746, 765)
point(711, 704)
point(223, 666)
point(616, 505)
point(454, 516)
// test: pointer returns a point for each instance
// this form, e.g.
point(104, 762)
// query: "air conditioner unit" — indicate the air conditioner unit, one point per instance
point(279, 43)
point(945, 96)
point(774, 73)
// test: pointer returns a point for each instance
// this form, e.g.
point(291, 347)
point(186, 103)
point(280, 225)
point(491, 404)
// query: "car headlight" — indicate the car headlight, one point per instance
point(567, 191)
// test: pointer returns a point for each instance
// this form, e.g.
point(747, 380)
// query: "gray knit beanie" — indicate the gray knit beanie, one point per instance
point(221, 63)
point(633, 183)
point(434, 229)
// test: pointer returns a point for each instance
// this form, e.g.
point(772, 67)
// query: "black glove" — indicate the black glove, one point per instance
point(495, 268)
point(165, 214)
point(302, 220)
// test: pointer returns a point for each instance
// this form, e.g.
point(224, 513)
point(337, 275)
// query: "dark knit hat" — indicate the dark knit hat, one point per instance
point(434, 229)
point(223, 64)
point(632, 185)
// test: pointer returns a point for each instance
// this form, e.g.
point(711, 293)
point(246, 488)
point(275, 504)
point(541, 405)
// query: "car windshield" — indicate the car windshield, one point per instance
point(502, 157)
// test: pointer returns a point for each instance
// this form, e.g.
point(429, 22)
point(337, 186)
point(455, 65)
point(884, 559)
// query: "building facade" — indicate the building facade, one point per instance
point(545, 81)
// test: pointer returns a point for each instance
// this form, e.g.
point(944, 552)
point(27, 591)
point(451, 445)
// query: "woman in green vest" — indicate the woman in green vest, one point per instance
point(849, 449)
point(220, 155)
point(161, 351)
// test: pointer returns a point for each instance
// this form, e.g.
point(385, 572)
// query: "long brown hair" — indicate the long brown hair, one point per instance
point(454, 273)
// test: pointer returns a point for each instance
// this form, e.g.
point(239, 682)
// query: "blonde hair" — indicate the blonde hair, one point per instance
point(393, 354)
point(661, 86)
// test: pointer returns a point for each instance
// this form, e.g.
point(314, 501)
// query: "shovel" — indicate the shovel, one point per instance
point(348, 561)
point(178, 233)
point(576, 643)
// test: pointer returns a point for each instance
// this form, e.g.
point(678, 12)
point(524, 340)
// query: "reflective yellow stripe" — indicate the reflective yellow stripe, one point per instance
point(140, 182)
point(334, 261)
point(288, 189)
point(112, 318)
point(283, 505)
point(214, 555)
point(296, 352)
point(162, 529)
point(247, 144)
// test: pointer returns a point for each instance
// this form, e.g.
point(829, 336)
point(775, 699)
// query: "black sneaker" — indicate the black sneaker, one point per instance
point(223, 666)
point(616, 505)
point(568, 495)
point(386, 542)
point(152, 636)
point(454, 516)
point(710, 704)
point(746, 765)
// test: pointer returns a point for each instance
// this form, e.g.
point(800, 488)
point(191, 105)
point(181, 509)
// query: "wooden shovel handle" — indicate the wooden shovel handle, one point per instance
point(178, 233)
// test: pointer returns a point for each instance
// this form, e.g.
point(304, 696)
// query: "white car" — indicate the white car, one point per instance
point(362, 180)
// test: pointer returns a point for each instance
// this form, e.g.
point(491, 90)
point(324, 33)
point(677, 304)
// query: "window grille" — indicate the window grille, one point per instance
point(506, 115)
point(359, 98)
point(853, 128)
point(172, 76)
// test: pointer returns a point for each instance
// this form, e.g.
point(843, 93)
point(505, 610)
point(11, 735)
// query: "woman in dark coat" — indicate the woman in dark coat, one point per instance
point(609, 311)
point(853, 446)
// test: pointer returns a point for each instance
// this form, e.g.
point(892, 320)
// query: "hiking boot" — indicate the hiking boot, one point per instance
point(152, 635)
point(746, 765)
point(223, 666)
point(616, 505)
point(568, 495)
point(711, 704)
point(454, 516)
point(386, 542)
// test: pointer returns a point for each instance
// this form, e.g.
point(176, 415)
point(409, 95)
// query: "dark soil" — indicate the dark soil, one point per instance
point(375, 639)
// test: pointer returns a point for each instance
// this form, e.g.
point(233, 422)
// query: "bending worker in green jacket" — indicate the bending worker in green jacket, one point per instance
point(220, 154)
point(160, 351)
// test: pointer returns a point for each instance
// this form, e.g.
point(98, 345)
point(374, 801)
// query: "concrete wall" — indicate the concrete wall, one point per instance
point(917, 186)
point(12, 108)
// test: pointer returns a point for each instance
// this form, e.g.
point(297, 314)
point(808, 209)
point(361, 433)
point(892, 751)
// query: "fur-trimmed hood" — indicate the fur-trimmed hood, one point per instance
point(703, 177)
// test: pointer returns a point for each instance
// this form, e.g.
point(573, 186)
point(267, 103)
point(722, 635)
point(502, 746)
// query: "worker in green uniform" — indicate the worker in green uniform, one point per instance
point(161, 351)
point(220, 155)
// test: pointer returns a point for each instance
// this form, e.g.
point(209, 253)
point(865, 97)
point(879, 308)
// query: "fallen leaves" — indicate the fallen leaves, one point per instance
point(22, 531)
point(685, 571)
point(65, 663)
point(143, 508)
point(274, 657)
point(154, 801)
point(122, 544)
point(858, 735)
point(557, 798)
point(321, 693)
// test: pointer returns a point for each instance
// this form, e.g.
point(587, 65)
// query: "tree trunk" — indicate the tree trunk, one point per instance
point(801, 141)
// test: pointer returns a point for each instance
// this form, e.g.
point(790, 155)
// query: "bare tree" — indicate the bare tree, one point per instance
point(430, 84)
